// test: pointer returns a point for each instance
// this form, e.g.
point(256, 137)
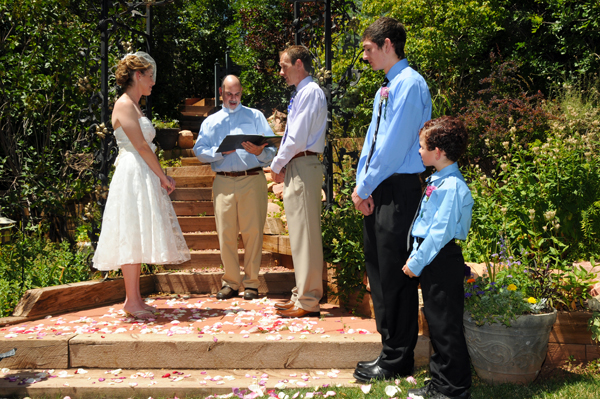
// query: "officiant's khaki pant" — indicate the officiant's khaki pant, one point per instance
point(302, 202)
point(240, 207)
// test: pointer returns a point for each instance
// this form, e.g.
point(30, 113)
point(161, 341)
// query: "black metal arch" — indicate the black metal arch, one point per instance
point(333, 92)
point(116, 23)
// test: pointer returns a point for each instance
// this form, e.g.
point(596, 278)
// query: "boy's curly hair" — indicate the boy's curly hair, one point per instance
point(447, 133)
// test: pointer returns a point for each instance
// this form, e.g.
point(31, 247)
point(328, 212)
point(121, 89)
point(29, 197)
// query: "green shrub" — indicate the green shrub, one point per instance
point(343, 239)
point(35, 262)
point(543, 199)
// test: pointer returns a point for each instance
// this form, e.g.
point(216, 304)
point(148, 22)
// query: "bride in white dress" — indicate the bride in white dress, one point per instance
point(139, 224)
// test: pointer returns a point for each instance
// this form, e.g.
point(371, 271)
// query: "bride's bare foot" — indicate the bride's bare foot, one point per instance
point(151, 309)
point(141, 314)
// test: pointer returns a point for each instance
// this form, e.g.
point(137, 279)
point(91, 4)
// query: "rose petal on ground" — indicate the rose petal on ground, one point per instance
point(411, 380)
point(365, 388)
point(392, 390)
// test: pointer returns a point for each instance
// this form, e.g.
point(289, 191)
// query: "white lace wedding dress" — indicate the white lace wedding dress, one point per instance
point(139, 224)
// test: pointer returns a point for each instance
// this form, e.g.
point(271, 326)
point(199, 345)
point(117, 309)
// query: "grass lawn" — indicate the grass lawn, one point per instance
point(568, 382)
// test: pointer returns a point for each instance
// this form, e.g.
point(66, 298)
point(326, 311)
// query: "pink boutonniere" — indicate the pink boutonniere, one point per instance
point(429, 190)
point(383, 96)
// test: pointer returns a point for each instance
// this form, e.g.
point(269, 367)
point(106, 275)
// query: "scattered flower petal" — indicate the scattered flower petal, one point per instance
point(392, 390)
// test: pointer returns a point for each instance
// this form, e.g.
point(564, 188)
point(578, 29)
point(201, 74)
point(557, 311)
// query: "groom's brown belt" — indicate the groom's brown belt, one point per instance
point(303, 154)
point(249, 172)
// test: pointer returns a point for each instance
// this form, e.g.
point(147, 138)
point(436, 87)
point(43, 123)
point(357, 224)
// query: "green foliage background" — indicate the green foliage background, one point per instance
point(499, 64)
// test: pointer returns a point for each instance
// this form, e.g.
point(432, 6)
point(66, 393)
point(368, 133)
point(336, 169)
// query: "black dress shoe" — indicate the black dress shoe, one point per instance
point(367, 364)
point(250, 293)
point(422, 392)
point(373, 373)
point(226, 293)
point(428, 391)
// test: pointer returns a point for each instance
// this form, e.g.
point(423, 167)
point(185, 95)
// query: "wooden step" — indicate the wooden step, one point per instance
point(190, 161)
point(205, 241)
point(196, 110)
point(191, 224)
point(212, 259)
point(192, 194)
point(194, 208)
point(193, 181)
point(279, 244)
point(178, 153)
point(198, 169)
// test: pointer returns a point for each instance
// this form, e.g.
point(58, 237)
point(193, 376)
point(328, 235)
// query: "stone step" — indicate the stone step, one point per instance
point(212, 259)
point(192, 194)
point(149, 382)
point(201, 351)
point(191, 224)
point(194, 208)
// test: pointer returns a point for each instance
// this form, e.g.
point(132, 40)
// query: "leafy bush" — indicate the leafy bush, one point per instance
point(501, 114)
point(42, 89)
point(35, 262)
point(164, 123)
point(543, 200)
point(343, 238)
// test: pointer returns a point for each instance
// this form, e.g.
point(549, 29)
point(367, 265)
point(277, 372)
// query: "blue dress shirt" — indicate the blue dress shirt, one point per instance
point(442, 217)
point(242, 120)
point(306, 124)
point(405, 111)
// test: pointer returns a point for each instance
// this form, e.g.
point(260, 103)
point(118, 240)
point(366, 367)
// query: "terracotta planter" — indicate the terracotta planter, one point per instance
point(513, 354)
point(167, 138)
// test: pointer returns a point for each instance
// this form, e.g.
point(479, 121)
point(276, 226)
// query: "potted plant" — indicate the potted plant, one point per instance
point(167, 132)
point(508, 318)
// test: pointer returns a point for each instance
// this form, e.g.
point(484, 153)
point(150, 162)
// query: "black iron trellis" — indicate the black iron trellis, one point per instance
point(116, 24)
point(334, 91)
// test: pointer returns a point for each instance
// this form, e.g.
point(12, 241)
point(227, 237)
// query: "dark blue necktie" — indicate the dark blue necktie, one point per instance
point(385, 83)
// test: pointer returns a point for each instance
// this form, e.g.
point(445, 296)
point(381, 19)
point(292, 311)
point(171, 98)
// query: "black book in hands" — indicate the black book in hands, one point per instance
point(234, 141)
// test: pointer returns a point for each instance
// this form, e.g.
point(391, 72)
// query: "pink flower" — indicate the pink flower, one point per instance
point(385, 92)
point(429, 190)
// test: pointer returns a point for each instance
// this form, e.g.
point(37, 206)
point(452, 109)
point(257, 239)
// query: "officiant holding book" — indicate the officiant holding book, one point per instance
point(239, 188)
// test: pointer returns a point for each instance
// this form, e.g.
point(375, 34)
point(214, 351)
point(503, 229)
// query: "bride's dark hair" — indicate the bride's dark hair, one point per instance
point(127, 67)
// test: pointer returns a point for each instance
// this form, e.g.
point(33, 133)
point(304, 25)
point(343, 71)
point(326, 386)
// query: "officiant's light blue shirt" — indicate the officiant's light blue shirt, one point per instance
point(443, 216)
point(242, 120)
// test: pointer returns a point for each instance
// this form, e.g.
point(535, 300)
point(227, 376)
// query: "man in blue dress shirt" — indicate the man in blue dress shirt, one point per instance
point(443, 217)
point(239, 188)
point(387, 192)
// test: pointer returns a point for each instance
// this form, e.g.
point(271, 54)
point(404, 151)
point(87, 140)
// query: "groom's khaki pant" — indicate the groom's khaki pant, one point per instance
point(302, 202)
point(240, 207)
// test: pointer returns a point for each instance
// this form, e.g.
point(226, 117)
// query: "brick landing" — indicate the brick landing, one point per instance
point(213, 346)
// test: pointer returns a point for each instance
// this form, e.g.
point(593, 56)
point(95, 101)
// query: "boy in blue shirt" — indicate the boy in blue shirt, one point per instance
point(443, 216)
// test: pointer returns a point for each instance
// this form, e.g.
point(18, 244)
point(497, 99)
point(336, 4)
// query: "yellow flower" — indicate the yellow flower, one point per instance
point(531, 300)
point(511, 287)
